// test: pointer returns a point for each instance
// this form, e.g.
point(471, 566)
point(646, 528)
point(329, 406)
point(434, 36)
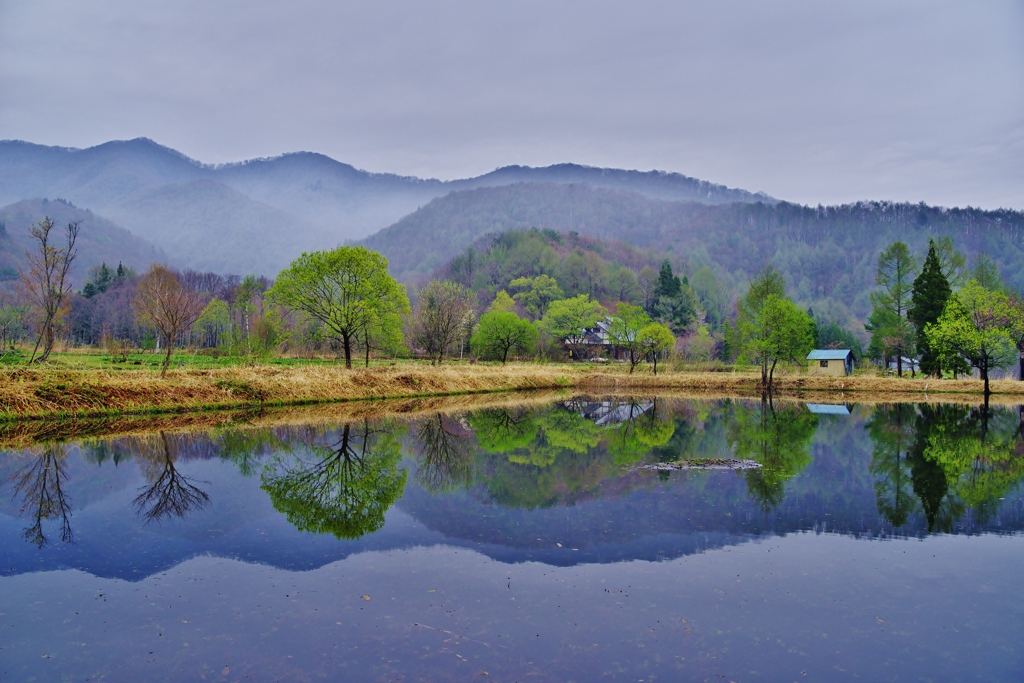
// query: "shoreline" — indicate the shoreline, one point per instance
point(59, 394)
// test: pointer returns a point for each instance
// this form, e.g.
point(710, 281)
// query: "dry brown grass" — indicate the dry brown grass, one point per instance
point(48, 393)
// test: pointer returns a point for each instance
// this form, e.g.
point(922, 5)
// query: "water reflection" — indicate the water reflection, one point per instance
point(338, 482)
point(169, 493)
point(40, 484)
point(502, 473)
point(954, 459)
point(776, 437)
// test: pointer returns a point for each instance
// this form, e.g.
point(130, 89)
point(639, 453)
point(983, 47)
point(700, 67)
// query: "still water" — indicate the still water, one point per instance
point(525, 544)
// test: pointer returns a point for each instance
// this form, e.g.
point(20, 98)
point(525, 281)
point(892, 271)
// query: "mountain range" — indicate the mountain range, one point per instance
point(256, 216)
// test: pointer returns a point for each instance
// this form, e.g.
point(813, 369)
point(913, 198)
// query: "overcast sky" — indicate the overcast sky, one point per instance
point(809, 101)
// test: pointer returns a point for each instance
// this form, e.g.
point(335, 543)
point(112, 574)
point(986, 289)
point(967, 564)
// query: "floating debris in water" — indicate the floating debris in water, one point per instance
point(703, 464)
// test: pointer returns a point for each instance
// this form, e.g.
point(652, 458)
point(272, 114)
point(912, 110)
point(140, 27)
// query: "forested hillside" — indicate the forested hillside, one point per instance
point(100, 240)
point(257, 215)
point(828, 255)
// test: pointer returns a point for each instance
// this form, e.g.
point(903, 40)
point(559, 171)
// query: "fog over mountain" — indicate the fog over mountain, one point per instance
point(257, 215)
point(99, 240)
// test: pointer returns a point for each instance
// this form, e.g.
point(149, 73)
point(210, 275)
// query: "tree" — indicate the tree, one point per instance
point(986, 273)
point(952, 262)
point(445, 308)
point(568, 320)
point(647, 283)
point(654, 340)
point(347, 289)
point(675, 301)
point(500, 333)
point(782, 332)
point(537, 294)
point(896, 267)
point(980, 326)
point(930, 293)
point(444, 462)
point(168, 493)
point(502, 303)
point(162, 302)
point(624, 331)
point(44, 286)
point(769, 327)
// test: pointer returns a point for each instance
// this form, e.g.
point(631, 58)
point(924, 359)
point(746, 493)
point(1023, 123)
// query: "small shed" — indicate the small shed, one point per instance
point(830, 362)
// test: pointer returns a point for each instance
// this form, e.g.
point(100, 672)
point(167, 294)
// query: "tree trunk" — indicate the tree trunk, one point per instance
point(654, 356)
point(167, 358)
point(346, 342)
point(899, 363)
point(984, 376)
point(771, 375)
point(367, 349)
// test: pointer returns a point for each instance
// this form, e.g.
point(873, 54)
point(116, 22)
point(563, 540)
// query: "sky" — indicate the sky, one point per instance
point(814, 102)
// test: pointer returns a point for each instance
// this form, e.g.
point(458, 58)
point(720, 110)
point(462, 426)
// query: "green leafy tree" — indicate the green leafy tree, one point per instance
point(568, 320)
point(896, 269)
point(502, 303)
point(347, 289)
point(342, 488)
point(930, 293)
point(655, 340)
point(980, 326)
point(781, 332)
point(986, 273)
point(536, 293)
point(500, 334)
point(624, 331)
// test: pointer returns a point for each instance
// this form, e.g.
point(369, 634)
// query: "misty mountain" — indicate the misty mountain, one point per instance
point(258, 215)
point(99, 240)
point(827, 254)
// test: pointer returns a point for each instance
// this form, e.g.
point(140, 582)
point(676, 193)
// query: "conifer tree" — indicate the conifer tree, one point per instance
point(930, 293)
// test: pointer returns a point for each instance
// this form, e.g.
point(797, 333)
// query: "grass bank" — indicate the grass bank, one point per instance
point(60, 392)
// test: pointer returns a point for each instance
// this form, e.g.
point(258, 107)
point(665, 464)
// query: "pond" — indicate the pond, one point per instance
point(525, 543)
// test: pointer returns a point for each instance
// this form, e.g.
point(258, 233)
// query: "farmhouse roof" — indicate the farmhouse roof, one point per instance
point(828, 354)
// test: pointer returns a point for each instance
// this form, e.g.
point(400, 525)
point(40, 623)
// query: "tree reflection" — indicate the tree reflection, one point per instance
point(169, 492)
point(40, 483)
point(501, 430)
point(777, 438)
point(632, 439)
point(443, 455)
point(891, 428)
point(342, 488)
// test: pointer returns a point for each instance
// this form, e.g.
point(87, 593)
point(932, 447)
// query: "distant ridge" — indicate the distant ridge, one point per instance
point(259, 214)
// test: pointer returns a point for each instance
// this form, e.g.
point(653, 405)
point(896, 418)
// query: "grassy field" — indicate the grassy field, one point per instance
point(79, 385)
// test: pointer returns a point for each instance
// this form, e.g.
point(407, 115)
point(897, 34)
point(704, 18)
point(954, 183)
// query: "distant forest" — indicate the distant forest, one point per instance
point(828, 255)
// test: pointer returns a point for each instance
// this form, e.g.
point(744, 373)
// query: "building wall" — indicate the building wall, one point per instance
point(835, 367)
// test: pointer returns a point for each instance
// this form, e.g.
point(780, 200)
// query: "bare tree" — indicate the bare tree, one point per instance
point(164, 303)
point(444, 309)
point(44, 286)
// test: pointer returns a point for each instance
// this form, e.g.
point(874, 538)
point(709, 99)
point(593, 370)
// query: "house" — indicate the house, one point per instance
point(836, 362)
point(911, 365)
point(596, 340)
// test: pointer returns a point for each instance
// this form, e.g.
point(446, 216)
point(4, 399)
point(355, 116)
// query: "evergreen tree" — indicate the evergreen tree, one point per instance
point(930, 293)
point(668, 284)
point(888, 324)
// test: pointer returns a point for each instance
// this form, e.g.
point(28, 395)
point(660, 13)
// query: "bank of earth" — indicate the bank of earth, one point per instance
point(49, 392)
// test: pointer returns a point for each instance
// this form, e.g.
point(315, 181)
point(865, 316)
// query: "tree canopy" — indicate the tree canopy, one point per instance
point(347, 289)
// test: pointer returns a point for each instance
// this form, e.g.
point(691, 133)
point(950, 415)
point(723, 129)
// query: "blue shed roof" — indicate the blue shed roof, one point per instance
point(828, 409)
point(828, 354)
